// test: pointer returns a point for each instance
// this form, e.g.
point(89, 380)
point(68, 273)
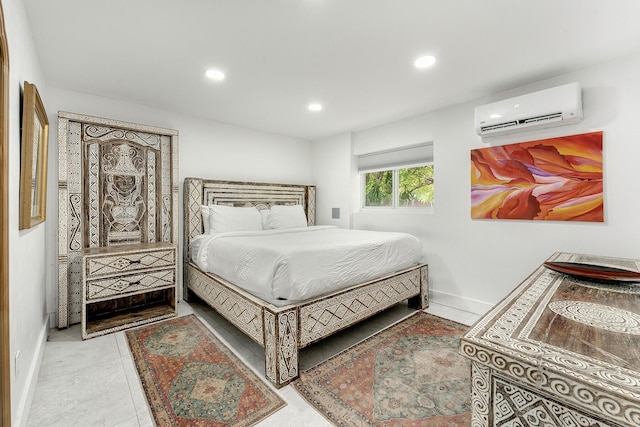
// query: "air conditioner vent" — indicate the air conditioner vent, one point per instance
point(553, 117)
point(498, 127)
point(561, 105)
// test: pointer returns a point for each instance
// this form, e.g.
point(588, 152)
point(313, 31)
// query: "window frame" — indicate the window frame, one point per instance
point(395, 206)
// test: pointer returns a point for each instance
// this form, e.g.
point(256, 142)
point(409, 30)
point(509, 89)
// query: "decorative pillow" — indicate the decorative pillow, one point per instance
point(230, 218)
point(205, 218)
point(287, 216)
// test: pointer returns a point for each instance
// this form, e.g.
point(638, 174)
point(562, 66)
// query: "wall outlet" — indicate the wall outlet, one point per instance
point(335, 213)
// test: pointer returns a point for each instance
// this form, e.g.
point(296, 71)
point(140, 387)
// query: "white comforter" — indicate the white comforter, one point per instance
point(300, 263)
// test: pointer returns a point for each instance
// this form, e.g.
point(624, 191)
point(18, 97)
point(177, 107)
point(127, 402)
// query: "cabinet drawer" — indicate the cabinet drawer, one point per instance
point(121, 285)
point(124, 262)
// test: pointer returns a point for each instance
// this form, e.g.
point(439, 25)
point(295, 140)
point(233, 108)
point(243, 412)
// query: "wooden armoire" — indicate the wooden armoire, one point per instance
point(118, 223)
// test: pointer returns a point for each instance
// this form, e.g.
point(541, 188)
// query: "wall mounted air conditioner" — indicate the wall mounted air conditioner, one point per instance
point(557, 106)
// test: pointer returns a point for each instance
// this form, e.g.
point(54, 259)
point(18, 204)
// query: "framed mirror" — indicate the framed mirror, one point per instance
point(33, 161)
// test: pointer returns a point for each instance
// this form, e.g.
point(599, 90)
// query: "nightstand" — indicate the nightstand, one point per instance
point(126, 286)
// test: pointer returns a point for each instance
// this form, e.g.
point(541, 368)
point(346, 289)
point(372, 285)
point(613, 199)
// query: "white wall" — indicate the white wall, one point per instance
point(475, 263)
point(337, 183)
point(27, 257)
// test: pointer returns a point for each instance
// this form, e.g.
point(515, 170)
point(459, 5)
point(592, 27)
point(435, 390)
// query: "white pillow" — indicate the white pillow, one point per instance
point(230, 218)
point(265, 214)
point(287, 216)
point(205, 218)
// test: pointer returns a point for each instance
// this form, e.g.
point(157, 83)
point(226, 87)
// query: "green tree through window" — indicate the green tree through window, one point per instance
point(379, 188)
point(413, 187)
point(416, 186)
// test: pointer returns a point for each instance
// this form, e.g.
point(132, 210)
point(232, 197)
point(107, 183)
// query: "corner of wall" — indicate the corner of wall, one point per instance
point(21, 416)
point(460, 303)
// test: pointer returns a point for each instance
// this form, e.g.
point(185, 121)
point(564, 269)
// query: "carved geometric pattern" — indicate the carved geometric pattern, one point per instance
point(63, 237)
point(130, 283)
point(193, 194)
point(151, 197)
point(75, 287)
point(102, 133)
point(612, 406)
point(270, 345)
point(501, 342)
point(421, 301)
point(74, 158)
point(324, 317)
point(242, 313)
point(110, 264)
point(424, 286)
point(287, 350)
point(311, 209)
point(516, 406)
point(123, 194)
point(599, 316)
point(75, 222)
point(169, 185)
point(93, 189)
point(250, 194)
point(166, 214)
point(480, 389)
point(502, 334)
point(63, 299)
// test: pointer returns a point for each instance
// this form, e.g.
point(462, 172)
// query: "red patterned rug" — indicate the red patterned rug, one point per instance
point(410, 374)
point(190, 378)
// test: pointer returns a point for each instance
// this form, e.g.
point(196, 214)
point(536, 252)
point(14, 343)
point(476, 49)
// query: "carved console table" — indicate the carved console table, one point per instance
point(126, 286)
point(559, 351)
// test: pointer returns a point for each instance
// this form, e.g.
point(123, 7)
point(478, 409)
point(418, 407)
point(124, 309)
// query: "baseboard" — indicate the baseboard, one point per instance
point(21, 418)
point(455, 301)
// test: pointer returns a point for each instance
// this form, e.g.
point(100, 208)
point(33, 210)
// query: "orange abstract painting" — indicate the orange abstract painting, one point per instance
point(556, 179)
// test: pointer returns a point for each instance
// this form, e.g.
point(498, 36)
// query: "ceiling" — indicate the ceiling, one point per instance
point(354, 56)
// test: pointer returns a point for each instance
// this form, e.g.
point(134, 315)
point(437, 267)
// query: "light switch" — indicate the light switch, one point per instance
point(335, 213)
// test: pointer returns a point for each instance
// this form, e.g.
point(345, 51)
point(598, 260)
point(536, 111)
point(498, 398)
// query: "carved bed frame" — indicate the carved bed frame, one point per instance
point(282, 331)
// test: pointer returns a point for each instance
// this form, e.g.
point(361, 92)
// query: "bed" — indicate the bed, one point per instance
point(283, 327)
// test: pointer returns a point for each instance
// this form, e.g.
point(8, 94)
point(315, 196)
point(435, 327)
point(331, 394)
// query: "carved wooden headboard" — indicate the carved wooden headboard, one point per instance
point(198, 192)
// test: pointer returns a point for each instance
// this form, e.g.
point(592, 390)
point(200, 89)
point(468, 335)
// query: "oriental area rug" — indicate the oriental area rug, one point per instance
point(409, 374)
point(190, 378)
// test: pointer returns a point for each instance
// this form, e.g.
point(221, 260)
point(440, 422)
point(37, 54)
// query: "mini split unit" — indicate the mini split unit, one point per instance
point(557, 106)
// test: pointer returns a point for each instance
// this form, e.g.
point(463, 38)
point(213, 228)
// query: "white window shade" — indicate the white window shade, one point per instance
point(388, 159)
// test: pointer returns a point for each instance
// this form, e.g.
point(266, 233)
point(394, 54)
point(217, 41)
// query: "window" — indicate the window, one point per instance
point(400, 178)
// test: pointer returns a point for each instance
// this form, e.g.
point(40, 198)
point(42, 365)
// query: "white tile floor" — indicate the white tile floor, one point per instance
point(94, 382)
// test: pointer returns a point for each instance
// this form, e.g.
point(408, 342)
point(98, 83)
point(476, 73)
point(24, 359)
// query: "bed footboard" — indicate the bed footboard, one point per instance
point(283, 331)
point(325, 316)
point(294, 327)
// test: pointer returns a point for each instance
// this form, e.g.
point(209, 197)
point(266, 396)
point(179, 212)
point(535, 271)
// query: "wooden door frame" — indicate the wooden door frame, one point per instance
point(5, 351)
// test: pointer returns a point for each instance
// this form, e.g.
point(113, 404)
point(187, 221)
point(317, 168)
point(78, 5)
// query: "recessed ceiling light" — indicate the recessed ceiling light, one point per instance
point(425, 62)
point(214, 74)
point(314, 106)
